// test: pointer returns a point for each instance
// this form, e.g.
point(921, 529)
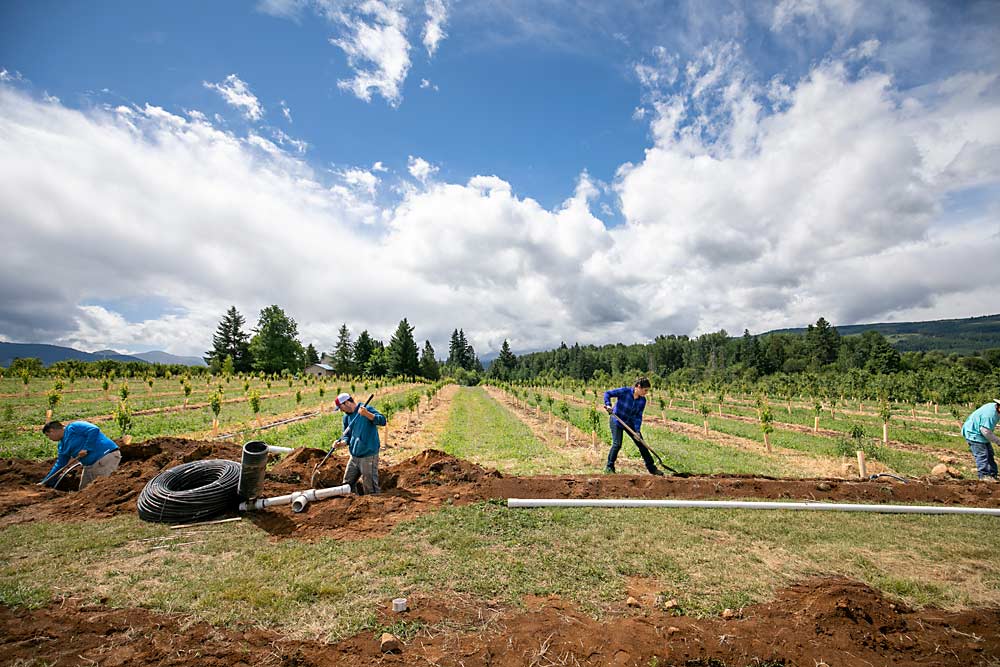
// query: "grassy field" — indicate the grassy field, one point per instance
point(708, 560)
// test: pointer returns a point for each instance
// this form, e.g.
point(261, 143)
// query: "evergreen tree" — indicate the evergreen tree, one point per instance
point(275, 347)
point(363, 348)
point(503, 366)
point(456, 349)
point(823, 342)
point(402, 352)
point(428, 363)
point(312, 357)
point(881, 356)
point(378, 361)
point(343, 362)
point(230, 340)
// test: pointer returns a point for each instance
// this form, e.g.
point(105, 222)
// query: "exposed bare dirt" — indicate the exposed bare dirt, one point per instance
point(422, 483)
point(829, 621)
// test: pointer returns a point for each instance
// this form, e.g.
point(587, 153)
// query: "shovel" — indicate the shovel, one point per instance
point(642, 443)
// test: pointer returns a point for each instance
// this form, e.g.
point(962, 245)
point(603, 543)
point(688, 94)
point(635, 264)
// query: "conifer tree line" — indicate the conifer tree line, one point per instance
point(273, 347)
point(816, 362)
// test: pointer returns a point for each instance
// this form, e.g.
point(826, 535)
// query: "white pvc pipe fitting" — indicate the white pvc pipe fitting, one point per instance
point(297, 498)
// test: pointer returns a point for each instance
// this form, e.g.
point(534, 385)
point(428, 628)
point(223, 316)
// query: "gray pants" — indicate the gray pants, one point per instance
point(365, 468)
point(103, 467)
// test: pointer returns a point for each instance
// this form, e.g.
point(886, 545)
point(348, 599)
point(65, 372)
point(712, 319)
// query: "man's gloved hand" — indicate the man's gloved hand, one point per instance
point(609, 409)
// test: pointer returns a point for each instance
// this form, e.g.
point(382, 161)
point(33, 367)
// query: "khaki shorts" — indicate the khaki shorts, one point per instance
point(103, 467)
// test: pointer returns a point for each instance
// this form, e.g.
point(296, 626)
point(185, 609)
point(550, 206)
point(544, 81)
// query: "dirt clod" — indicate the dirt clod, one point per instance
point(389, 643)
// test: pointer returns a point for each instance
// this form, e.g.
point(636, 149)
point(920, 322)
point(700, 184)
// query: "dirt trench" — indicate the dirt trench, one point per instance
point(422, 483)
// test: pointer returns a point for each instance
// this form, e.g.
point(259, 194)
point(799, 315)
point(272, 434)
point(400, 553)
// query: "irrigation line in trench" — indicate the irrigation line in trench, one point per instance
point(290, 420)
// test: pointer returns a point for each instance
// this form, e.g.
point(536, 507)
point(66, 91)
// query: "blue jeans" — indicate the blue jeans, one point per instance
point(982, 452)
point(616, 445)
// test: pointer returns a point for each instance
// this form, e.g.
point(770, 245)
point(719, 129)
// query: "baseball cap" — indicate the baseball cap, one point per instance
point(341, 398)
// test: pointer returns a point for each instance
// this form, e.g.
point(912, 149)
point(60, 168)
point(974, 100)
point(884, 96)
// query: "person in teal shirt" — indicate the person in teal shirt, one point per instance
point(978, 432)
point(85, 442)
point(361, 424)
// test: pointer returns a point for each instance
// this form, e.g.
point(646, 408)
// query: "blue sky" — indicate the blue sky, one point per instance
point(540, 172)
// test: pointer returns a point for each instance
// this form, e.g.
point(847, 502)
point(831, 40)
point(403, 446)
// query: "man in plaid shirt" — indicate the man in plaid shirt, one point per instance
point(630, 403)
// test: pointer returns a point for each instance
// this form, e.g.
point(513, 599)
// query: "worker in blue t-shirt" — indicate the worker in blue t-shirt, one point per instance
point(978, 432)
point(85, 442)
point(361, 424)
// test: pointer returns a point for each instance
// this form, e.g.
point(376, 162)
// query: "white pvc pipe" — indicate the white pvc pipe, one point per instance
point(302, 498)
point(274, 449)
point(750, 505)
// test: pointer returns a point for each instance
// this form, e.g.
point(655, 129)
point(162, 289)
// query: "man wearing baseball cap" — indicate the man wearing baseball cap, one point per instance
point(978, 432)
point(361, 424)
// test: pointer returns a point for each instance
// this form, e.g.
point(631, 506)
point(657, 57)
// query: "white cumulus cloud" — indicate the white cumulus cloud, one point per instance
point(437, 16)
point(377, 49)
point(420, 168)
point(237, 94)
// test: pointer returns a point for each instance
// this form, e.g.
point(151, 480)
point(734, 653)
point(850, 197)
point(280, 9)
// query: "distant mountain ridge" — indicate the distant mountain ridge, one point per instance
point(160, 357)
point(963, 336)
point(50, 354)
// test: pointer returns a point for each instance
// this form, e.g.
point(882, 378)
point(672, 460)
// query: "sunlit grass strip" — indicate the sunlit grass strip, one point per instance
point(481, 430)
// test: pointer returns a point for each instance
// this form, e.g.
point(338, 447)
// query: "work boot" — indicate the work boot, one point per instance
point(610, 470)
point(989, 480)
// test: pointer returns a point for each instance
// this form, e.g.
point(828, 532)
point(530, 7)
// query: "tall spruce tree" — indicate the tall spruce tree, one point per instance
point(503, 366)
point(823, 342)
point(429, 367)
point(363, 348)
point(343, 362)
point(402, 352)
point(312, 357)
point(275, 347)
point(230, 340)
point(455, 350)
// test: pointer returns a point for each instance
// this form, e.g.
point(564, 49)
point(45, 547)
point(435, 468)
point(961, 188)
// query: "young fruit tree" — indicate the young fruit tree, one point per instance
point(388, 409)
point(885, 414)
point(54, 397)
point(123, 417)
point(705, 411)
point(564, 413)
point(766, 426)
point(594, 420)
point(215, 402)
point(254, 399)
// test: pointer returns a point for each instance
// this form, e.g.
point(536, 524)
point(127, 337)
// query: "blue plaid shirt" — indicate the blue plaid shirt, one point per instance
point(628, 407)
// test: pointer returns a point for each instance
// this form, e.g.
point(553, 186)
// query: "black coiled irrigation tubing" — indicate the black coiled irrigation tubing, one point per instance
point(191, 492)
